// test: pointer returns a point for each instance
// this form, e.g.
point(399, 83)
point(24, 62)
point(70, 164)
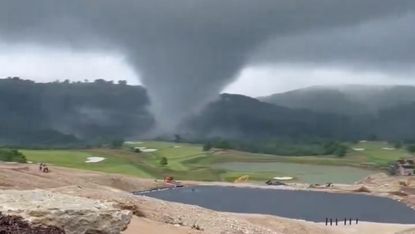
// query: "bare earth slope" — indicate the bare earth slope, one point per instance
point(156, 216)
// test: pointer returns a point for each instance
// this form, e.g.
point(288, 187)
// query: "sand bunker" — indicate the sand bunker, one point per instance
point(145, 149)
point(358, 149)
point(283, 178)
point(177, 146)
point(133, 142)
point(94, 159)
point(149, 150)
point(388, 148)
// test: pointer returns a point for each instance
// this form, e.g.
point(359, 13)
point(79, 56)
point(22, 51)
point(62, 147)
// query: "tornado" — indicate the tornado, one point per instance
point(186, 51)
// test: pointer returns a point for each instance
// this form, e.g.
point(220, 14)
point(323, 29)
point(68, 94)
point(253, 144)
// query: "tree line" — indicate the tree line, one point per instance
point(68, 114)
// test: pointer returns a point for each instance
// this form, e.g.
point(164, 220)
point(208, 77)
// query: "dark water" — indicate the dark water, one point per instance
point(307, 205)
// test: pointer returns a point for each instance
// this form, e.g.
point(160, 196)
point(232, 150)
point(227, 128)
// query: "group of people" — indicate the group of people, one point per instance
point(43, 168)
point(331, 221)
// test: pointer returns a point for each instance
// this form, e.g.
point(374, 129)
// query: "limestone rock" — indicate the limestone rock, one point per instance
point(71, 213)
point(16, 225)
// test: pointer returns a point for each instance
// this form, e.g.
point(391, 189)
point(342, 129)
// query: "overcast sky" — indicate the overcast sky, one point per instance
point(186, 52)
point(44, 65)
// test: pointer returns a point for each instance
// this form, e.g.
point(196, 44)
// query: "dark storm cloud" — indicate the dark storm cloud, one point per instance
point(384, 44)
point(185, 50)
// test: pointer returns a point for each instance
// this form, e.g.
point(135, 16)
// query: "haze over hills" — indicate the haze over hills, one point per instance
point(347, 99)
point(238, 116)
point(343, 112)
point(62, 113)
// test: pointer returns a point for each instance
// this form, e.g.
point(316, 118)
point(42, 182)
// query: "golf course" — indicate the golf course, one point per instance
point(189, 162)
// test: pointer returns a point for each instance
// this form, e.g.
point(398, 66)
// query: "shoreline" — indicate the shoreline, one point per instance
point(337, 188)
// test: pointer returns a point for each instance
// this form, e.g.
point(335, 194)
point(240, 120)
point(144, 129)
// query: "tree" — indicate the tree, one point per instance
point(411, 148)
point(398, 145)
point(117, 143)
point(207, 146)
point(330, 147)
point(122, 82)
point(340, 151)
point(163, 161)
point(223, 144)
point(12, 156)
point(373, 137)
point(177, 138)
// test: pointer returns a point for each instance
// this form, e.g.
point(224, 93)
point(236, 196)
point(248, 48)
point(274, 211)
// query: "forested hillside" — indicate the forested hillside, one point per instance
point(241, 117)
point(67, 113)
point(237, 116)
point(81, 113)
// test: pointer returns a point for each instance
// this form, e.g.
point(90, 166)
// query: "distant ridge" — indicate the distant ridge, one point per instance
point(347, 99)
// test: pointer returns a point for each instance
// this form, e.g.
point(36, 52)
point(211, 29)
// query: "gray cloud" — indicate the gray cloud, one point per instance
point(384, 44)
point(186, 51)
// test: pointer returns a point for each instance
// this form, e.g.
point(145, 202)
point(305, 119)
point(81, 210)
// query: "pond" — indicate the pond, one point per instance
point(306, 205)
point(302, 172)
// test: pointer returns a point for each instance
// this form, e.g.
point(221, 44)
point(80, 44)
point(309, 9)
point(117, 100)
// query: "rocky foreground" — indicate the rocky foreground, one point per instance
point(75, 201)
point(60, 213)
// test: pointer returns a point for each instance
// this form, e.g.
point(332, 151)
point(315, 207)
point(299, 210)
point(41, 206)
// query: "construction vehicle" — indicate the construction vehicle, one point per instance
point(170, 182)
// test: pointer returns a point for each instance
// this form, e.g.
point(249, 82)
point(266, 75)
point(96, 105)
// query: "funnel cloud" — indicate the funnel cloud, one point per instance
point(187, 51)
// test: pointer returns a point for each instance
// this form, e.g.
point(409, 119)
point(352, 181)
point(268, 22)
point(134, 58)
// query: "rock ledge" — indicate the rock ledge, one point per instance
point(72, 214)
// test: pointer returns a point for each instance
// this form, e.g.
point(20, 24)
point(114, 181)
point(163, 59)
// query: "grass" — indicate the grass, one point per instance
point(375, 154)
point(190, 162)
point(115, 162)
point(301, 172)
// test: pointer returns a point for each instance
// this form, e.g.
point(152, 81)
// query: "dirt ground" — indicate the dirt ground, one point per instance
point(156, 216)
point(144, 225)
point(27, 176)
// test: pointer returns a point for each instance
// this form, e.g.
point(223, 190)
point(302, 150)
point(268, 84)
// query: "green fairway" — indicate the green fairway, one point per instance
point(378, 154)
point(300, 172)
point(190, 162)
point(114, 161)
